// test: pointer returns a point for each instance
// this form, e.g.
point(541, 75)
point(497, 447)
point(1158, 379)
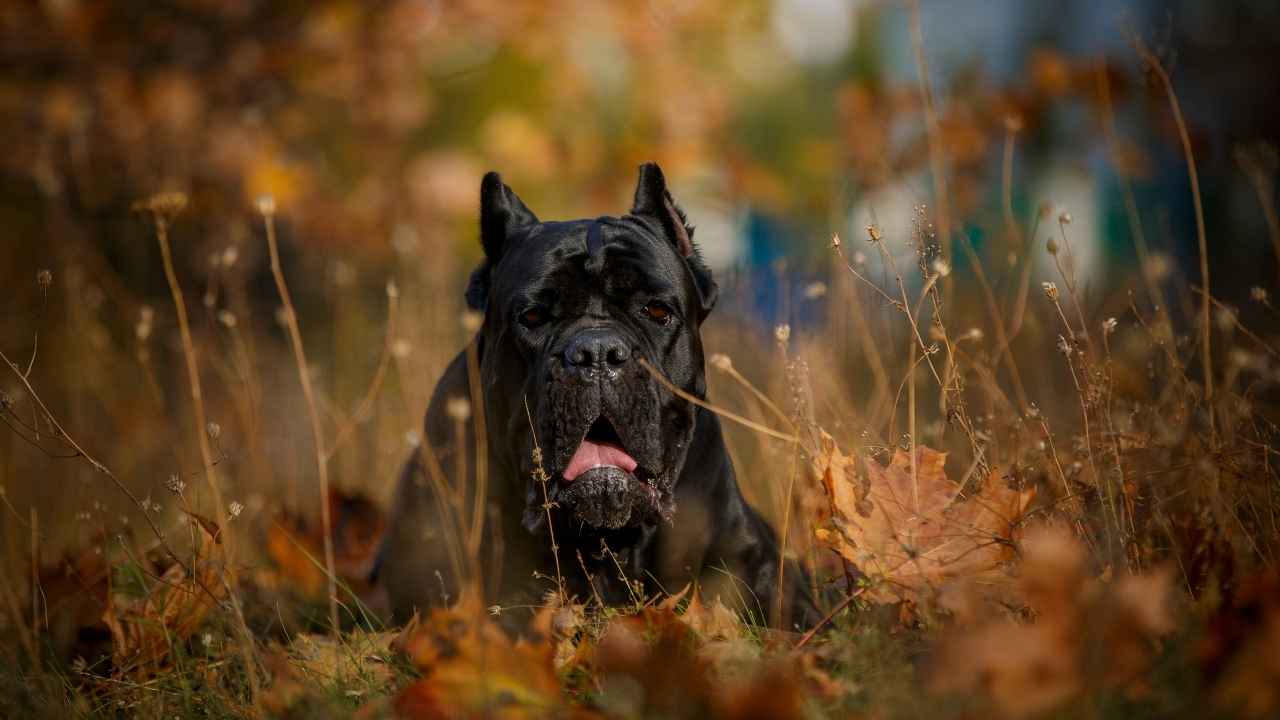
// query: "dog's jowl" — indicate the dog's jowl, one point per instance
point(574, 438)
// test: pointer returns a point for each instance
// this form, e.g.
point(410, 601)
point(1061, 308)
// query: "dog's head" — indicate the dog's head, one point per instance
point(573, 313)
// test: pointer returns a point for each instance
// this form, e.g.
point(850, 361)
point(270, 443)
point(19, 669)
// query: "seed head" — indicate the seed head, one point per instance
point(1064, 346)
point(213, 430)
point(1052, 246)
point(835, 241)
point(1064, 218)
point(1109, 326)
point(720, 362)
point(227, 318)
point(235, 508)
point(471, 321)
point(1225, 318)
point(44, 279)
point(174, 484)
point(1050, 291)
point(458, 408)
point(782, 333)
point(1259, 294)
point(393, 290)
point(266, 205)
point(162, 205)
point(873, 234)
point(941, 267)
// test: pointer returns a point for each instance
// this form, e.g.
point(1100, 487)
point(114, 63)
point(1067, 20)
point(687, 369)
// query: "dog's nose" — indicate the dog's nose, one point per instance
point(597, 347)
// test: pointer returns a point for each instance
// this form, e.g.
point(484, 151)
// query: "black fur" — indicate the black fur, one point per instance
point(678, 518)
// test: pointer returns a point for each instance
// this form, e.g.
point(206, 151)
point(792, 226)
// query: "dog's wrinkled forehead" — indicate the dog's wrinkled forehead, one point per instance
point(654, 241)
point(624, 253)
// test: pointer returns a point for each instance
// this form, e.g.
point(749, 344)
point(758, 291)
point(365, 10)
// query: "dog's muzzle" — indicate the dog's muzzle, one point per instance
point(604, 421)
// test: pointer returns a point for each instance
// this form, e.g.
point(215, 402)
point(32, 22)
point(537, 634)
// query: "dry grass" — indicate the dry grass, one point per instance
point(1117, 458)
point(1100, 537)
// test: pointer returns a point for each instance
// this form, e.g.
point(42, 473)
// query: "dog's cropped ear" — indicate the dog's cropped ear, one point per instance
point(654, 200)
point(501, 211)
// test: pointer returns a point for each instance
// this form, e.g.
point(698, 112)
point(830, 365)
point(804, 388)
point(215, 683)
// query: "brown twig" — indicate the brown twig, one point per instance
point(93, 462)
point(161, 208)
point(1206, 354)
point(848, 599)
point(541, 477)
point(1002, 338)
point(384, 362)
point(1126, 188)
point(937, 157)
point(662, 380)
point(266, 207)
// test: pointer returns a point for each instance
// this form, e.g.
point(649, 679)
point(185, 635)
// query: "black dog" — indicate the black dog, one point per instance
point(641, 496)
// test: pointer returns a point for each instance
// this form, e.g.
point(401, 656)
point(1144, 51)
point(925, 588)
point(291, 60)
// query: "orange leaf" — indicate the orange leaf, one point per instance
point(908, 529)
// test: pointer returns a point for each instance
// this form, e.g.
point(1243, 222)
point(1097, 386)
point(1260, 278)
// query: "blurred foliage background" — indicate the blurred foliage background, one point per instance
point(1024, 155)
point(779, 122)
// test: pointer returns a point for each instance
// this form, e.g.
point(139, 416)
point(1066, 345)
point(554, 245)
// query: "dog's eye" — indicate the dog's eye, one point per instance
point(533, 317)
point(657, 312)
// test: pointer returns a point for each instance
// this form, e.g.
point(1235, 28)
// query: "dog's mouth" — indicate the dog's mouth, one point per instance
point(601, 447)
point(603, 484)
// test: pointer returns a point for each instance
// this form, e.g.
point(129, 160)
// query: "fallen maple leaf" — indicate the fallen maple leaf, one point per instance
point(908, 529)
point(472, 668)
point(712, 621)
point(144, 629)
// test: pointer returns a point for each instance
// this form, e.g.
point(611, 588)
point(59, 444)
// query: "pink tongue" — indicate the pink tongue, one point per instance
point(593, 455)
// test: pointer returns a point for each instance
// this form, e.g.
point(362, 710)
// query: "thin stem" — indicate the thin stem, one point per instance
point(540, 475)
point(937, 157)
point(317, 433)
point(1126, 189)
point(662, 380)
point(1206, 354)
point(804, 639)
point(384, 362)
point(1002, 338)
point(206, 452)
point(93, 462)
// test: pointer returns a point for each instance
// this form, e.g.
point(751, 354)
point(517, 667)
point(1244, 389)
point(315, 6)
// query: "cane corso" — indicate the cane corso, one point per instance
point(574, 440)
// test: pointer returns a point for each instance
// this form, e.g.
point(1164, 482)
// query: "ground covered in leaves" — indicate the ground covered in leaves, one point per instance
point(1026, 482)
point(958, 601)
